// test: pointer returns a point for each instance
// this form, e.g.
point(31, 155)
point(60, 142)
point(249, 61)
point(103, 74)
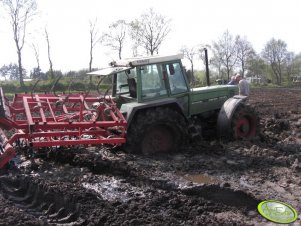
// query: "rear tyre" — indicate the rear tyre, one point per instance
point(244, 122)
point(158, 130)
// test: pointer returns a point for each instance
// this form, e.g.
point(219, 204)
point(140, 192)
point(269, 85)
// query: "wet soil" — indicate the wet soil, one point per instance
point(208, 183)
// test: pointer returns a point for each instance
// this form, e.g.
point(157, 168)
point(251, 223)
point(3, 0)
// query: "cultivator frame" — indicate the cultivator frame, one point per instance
point(35, 121)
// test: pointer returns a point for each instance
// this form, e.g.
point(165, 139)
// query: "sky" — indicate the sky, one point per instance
point(193, 22)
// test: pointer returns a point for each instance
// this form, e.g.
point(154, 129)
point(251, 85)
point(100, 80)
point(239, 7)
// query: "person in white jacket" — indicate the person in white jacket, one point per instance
point(243, 85)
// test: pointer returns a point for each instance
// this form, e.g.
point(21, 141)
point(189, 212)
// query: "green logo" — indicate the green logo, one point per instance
point(278, 212)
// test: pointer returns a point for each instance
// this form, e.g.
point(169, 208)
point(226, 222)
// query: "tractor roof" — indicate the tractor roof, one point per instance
point(136, 61)
point(128, 63)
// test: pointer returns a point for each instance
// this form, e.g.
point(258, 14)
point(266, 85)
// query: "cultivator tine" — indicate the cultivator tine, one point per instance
point(7, 152)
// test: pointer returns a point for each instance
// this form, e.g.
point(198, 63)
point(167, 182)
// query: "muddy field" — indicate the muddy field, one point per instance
point(209, 183)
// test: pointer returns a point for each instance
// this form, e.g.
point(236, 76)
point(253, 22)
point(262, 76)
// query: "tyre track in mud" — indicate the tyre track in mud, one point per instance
point(138, 176)
point(124, 184)
point(38, 200)
point(138, 195)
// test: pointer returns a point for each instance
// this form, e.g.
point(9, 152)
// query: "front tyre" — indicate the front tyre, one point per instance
point(157, 130)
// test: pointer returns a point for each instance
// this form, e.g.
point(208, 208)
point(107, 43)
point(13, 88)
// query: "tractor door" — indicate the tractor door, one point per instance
point(125, 87)
point(150, 83)
point(177, 84)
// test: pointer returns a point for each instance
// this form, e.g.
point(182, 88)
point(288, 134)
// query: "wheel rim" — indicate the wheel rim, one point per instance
point(245, 127)
point(157, 139)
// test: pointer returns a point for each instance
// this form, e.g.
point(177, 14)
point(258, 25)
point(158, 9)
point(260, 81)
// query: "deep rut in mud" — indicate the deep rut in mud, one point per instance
point(129, 197)
point(38, 200)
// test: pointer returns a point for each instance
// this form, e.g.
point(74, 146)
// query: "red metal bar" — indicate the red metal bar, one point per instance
point(111, 140)
point(8, 152)
point(41, 109)
point(27, 111)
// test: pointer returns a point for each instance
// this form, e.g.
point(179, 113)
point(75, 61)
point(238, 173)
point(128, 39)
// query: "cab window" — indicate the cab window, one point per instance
point(176, 78)
point(123, 77)
point(152, 84)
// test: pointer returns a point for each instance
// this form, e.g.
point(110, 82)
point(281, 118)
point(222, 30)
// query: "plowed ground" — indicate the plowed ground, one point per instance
point(209, 183)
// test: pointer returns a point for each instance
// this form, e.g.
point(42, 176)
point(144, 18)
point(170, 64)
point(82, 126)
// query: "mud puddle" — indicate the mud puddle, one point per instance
point(114, 189)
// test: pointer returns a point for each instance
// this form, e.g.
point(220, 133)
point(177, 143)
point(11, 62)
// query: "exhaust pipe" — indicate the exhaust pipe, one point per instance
point(207, 67)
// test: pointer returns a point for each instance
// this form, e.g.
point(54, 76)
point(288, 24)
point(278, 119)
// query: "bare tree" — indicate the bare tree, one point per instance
point(257, 67)
point(20, 13)
point(37, 70)
point(136, 42)
point(49, 57)
point(297, 65)
point(216, 63)
point(150, 31)
point(115, 38)
point(94, 39)
point(245, 53)
point(189, 54)
point(276, 54)
point(224, 50)
point(291, 66)
point(35, 48)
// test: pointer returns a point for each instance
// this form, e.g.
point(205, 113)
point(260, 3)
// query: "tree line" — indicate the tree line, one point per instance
point(146, 35)
point(235, 54)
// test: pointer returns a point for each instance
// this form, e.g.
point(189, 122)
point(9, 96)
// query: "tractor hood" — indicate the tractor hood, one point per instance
point(108, 71)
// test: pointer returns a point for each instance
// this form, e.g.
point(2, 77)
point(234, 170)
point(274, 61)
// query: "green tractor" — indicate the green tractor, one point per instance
point(163, 112)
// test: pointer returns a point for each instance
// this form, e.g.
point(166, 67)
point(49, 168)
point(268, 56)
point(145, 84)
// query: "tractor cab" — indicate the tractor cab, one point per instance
point(146, 79)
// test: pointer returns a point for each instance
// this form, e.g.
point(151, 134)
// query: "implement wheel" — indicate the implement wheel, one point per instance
point(157, 130)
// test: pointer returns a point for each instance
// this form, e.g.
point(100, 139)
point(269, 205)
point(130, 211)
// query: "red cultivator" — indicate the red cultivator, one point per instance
point(49, 120)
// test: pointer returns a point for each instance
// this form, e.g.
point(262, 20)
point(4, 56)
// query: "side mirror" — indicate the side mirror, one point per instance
point(171, 69)
point(144, 69)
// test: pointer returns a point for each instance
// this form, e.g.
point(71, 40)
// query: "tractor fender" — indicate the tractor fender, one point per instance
point(131, 109)
point(226, 113)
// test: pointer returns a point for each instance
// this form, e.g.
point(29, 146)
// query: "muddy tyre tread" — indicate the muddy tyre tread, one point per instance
point(245, 111)
point(148, 119)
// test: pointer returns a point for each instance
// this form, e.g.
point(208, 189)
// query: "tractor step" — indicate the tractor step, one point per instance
point(195, 132)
